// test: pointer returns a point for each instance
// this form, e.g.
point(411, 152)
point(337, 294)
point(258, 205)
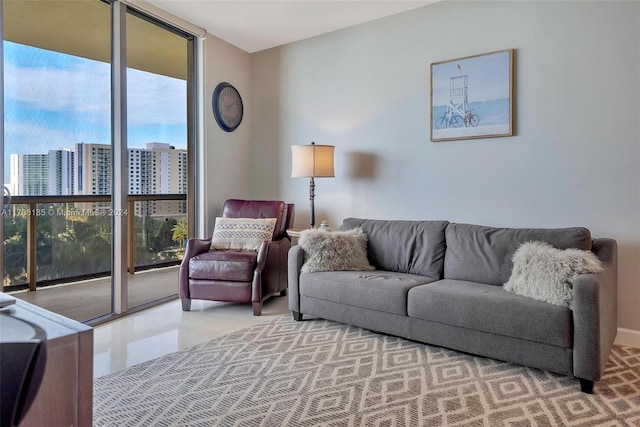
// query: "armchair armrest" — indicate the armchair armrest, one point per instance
point(194, 247)
point(595, 313)
point(296, 259)
point(262, 256)
point(270, 269)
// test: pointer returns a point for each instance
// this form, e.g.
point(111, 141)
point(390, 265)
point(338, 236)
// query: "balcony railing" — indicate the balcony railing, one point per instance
point(57, 239)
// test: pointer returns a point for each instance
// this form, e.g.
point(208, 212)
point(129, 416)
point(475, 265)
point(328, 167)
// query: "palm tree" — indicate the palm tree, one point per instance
point(180, 231)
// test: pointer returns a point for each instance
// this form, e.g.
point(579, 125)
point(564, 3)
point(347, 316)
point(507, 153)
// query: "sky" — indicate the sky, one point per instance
point(488, 77)
point(55, 100)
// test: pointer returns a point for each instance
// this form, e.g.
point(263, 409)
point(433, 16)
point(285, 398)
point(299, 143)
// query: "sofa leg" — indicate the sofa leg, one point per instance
point(586, 386)
point(297, 316)
point(283, 293)
point(186, 304)
point(257, 308)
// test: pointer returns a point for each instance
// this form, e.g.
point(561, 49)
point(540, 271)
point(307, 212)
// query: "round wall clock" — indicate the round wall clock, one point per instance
point(227, 106)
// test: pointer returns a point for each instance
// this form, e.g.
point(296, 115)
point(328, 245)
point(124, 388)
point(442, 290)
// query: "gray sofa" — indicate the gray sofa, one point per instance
point(441, 283)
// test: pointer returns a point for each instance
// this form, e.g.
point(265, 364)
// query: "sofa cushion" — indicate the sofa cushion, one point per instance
point(491, 309)
point(377, 290)
point(412, 247)
point(235, 266)
point(483, 254)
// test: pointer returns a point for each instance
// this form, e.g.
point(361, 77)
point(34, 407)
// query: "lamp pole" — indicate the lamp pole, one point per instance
point(312, 195)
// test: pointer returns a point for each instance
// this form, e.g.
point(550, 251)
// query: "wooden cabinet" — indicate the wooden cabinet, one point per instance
point(65, 396)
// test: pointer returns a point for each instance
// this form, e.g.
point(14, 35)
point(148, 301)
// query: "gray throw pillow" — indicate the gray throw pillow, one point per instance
point(334, 250)
point(545, 273)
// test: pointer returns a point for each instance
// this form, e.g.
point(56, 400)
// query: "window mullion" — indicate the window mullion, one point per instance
point(119, 246)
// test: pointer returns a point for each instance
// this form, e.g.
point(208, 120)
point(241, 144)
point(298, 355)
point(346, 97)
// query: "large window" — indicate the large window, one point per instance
point(59, 153)
point(156, 148)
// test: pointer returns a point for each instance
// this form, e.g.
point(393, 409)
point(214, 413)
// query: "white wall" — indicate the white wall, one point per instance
point(575, 159)
point(226, 154)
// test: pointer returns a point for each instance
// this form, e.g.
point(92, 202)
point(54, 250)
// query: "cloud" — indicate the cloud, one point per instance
point(79, 88)
point(22, 137)
point(153, 99)
point(83, 89)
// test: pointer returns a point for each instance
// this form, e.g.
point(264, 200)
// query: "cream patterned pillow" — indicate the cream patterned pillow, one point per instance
point(242, 233)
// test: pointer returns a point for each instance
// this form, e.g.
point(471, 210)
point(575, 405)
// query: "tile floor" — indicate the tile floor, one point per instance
point(166, 328)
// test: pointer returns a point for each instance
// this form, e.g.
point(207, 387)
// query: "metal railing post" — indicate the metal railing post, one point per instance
point(31, 247)
point(131, 240)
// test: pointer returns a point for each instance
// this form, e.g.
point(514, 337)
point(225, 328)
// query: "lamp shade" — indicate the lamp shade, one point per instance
point(315, 161)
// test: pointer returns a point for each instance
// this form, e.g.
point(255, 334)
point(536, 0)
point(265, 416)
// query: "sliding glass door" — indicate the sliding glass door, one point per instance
point(62, 242)
point(157, 135)
point(57, 154)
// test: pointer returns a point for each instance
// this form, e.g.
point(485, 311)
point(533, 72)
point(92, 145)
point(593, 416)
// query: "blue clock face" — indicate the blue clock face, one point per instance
point(227, 107)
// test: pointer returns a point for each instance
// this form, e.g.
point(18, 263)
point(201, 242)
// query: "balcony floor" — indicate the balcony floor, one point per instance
point(90, 299)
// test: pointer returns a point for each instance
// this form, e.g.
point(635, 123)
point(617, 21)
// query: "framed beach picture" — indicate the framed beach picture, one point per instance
point(472, 97)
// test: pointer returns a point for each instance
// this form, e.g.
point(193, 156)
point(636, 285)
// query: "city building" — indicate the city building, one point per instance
point(29, 174)
point(168, 167)
point(158, 169)
point(61, 168)
point(93, 169)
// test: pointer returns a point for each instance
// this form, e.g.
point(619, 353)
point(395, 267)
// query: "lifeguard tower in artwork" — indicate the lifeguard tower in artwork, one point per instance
point(458, 96)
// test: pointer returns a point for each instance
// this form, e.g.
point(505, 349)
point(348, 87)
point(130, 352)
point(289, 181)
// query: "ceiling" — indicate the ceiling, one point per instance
point(82, 28)
point(255, 25)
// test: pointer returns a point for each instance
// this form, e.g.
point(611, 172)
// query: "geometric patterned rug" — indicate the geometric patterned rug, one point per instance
point(322, 373)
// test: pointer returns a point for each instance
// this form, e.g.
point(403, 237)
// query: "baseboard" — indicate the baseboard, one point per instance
point(628, 337)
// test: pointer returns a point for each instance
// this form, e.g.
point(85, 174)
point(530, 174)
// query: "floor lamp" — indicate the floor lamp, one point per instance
point(312, 161)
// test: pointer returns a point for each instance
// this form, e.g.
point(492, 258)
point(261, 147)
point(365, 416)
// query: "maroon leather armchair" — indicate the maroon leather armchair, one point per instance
point(235, 275)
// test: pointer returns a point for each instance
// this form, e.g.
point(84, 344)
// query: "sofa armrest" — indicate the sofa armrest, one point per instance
point(595, 313)
point(296, 259)
point(194, 247)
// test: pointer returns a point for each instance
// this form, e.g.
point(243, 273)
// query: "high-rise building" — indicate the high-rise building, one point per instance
point(139, 162)
point(42, 174)
point(61, 171)
point(168, 173)
point(93, 169)
point(159, 168)
point(29, 174)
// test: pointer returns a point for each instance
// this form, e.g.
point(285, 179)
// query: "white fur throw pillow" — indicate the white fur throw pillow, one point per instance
point(334, 250)
point(545, 273)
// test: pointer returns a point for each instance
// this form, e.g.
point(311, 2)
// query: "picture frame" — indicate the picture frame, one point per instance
point(472, 97)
